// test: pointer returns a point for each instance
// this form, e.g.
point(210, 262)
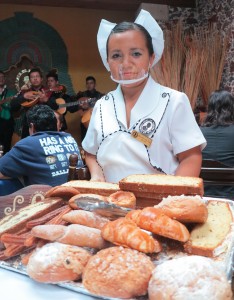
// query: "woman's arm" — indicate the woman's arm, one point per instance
point(190, 162)
point(94, 168)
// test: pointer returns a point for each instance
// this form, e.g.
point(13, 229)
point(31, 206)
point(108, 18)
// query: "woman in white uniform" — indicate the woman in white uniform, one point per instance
point(141, 127)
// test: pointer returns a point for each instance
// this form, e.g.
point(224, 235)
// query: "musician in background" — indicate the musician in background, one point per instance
point(35, 94)
point(6, 118)
point(84, 108)
point(57, 96)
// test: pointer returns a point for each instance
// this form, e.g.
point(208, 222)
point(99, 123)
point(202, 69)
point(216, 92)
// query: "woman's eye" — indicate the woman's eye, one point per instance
point(115, 55)
point(136, 54)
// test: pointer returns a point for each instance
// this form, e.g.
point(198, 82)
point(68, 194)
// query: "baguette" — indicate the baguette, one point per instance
point(85, 218)
point(186, 209)
point(77, 235)
point(17, 220)
point(124, 232)
point(161, 184)
point(155, 221)
point(93, 187)
point(206, 238)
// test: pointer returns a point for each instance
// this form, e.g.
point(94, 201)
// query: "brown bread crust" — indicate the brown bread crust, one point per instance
point(154, 220)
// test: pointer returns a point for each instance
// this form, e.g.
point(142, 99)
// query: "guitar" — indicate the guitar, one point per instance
point(62, 105)
point(34, 96)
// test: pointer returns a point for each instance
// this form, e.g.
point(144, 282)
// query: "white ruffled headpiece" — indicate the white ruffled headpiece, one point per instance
point(146, 20)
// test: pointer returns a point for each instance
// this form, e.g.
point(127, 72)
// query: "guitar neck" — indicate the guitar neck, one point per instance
point(90, 100)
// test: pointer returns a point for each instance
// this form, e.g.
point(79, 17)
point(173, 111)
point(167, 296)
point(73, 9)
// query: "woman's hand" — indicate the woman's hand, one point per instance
point(190, 162)
point(94, 168)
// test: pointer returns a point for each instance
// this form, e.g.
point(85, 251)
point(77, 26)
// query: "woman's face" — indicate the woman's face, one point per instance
point(128, 55)
point(51, 82)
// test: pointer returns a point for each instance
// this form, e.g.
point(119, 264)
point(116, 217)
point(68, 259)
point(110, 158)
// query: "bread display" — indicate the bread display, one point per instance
point(206, 238)
point(118, 272)
point(85, 218)
point(186, 209)
point(143, 239)
point(77, 235)
point(151, 185)
point(93, 187)
point(55, 262)
point(191, 277)
point(123, 199)
point(125, 232)
point(154, 220)
point(17, 220)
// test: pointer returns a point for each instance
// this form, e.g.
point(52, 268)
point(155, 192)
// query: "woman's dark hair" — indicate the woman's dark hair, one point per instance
point(52, 73)
point(125, 26)
point(220, 109)
point(42, 117)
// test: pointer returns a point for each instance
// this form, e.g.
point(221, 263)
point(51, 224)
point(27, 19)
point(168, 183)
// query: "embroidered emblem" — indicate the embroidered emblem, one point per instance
point(50, 159)
point(147, 126)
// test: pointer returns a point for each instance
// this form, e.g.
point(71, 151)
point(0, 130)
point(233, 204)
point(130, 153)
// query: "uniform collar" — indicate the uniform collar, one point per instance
point(146, 103)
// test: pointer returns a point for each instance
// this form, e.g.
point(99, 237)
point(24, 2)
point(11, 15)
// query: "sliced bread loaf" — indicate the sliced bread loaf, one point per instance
point(205, 238)
point(93, 187)
point(155, 184)
point(17, 220)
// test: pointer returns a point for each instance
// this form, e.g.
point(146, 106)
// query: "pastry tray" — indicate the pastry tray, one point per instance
point(170, 251)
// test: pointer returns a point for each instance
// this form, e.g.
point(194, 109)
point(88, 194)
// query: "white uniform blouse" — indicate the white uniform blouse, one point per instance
point(162, 114)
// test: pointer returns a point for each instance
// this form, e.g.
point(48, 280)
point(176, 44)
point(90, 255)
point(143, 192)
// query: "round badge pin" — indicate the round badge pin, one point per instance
point(147, 126)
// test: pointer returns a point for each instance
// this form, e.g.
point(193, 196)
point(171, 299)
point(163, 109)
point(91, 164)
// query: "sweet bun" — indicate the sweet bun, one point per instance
point(123, 199)
point(190, 277)
point(55, 262)
point(118, 272)
point(186, 209)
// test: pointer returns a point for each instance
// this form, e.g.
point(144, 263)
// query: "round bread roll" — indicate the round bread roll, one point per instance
point(123, 199)
point(56, 262)
point(118, 272)
point(190, 277)
point(185, 209)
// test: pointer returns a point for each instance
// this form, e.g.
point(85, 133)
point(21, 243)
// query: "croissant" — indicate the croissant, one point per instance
point(125, 232)
point(154, 220)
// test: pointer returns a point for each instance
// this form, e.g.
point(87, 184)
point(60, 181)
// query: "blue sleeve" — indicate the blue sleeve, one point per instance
point(12, 163)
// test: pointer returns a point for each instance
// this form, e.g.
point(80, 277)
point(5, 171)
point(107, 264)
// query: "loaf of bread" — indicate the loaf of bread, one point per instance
point(124, 232)
point(206, 238)
point(118, 272)
point(74, 234)
point(154, 220)
point(93, 187)
point(85, 197)
point(186, 209)
point(61, 191)
point(154, 184)
point(123, 199)
point(190, 277)
point(17, 220)
point(86, 218)
point(55, 262)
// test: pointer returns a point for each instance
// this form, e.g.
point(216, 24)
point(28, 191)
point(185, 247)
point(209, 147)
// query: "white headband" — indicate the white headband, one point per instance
point(147, 21)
